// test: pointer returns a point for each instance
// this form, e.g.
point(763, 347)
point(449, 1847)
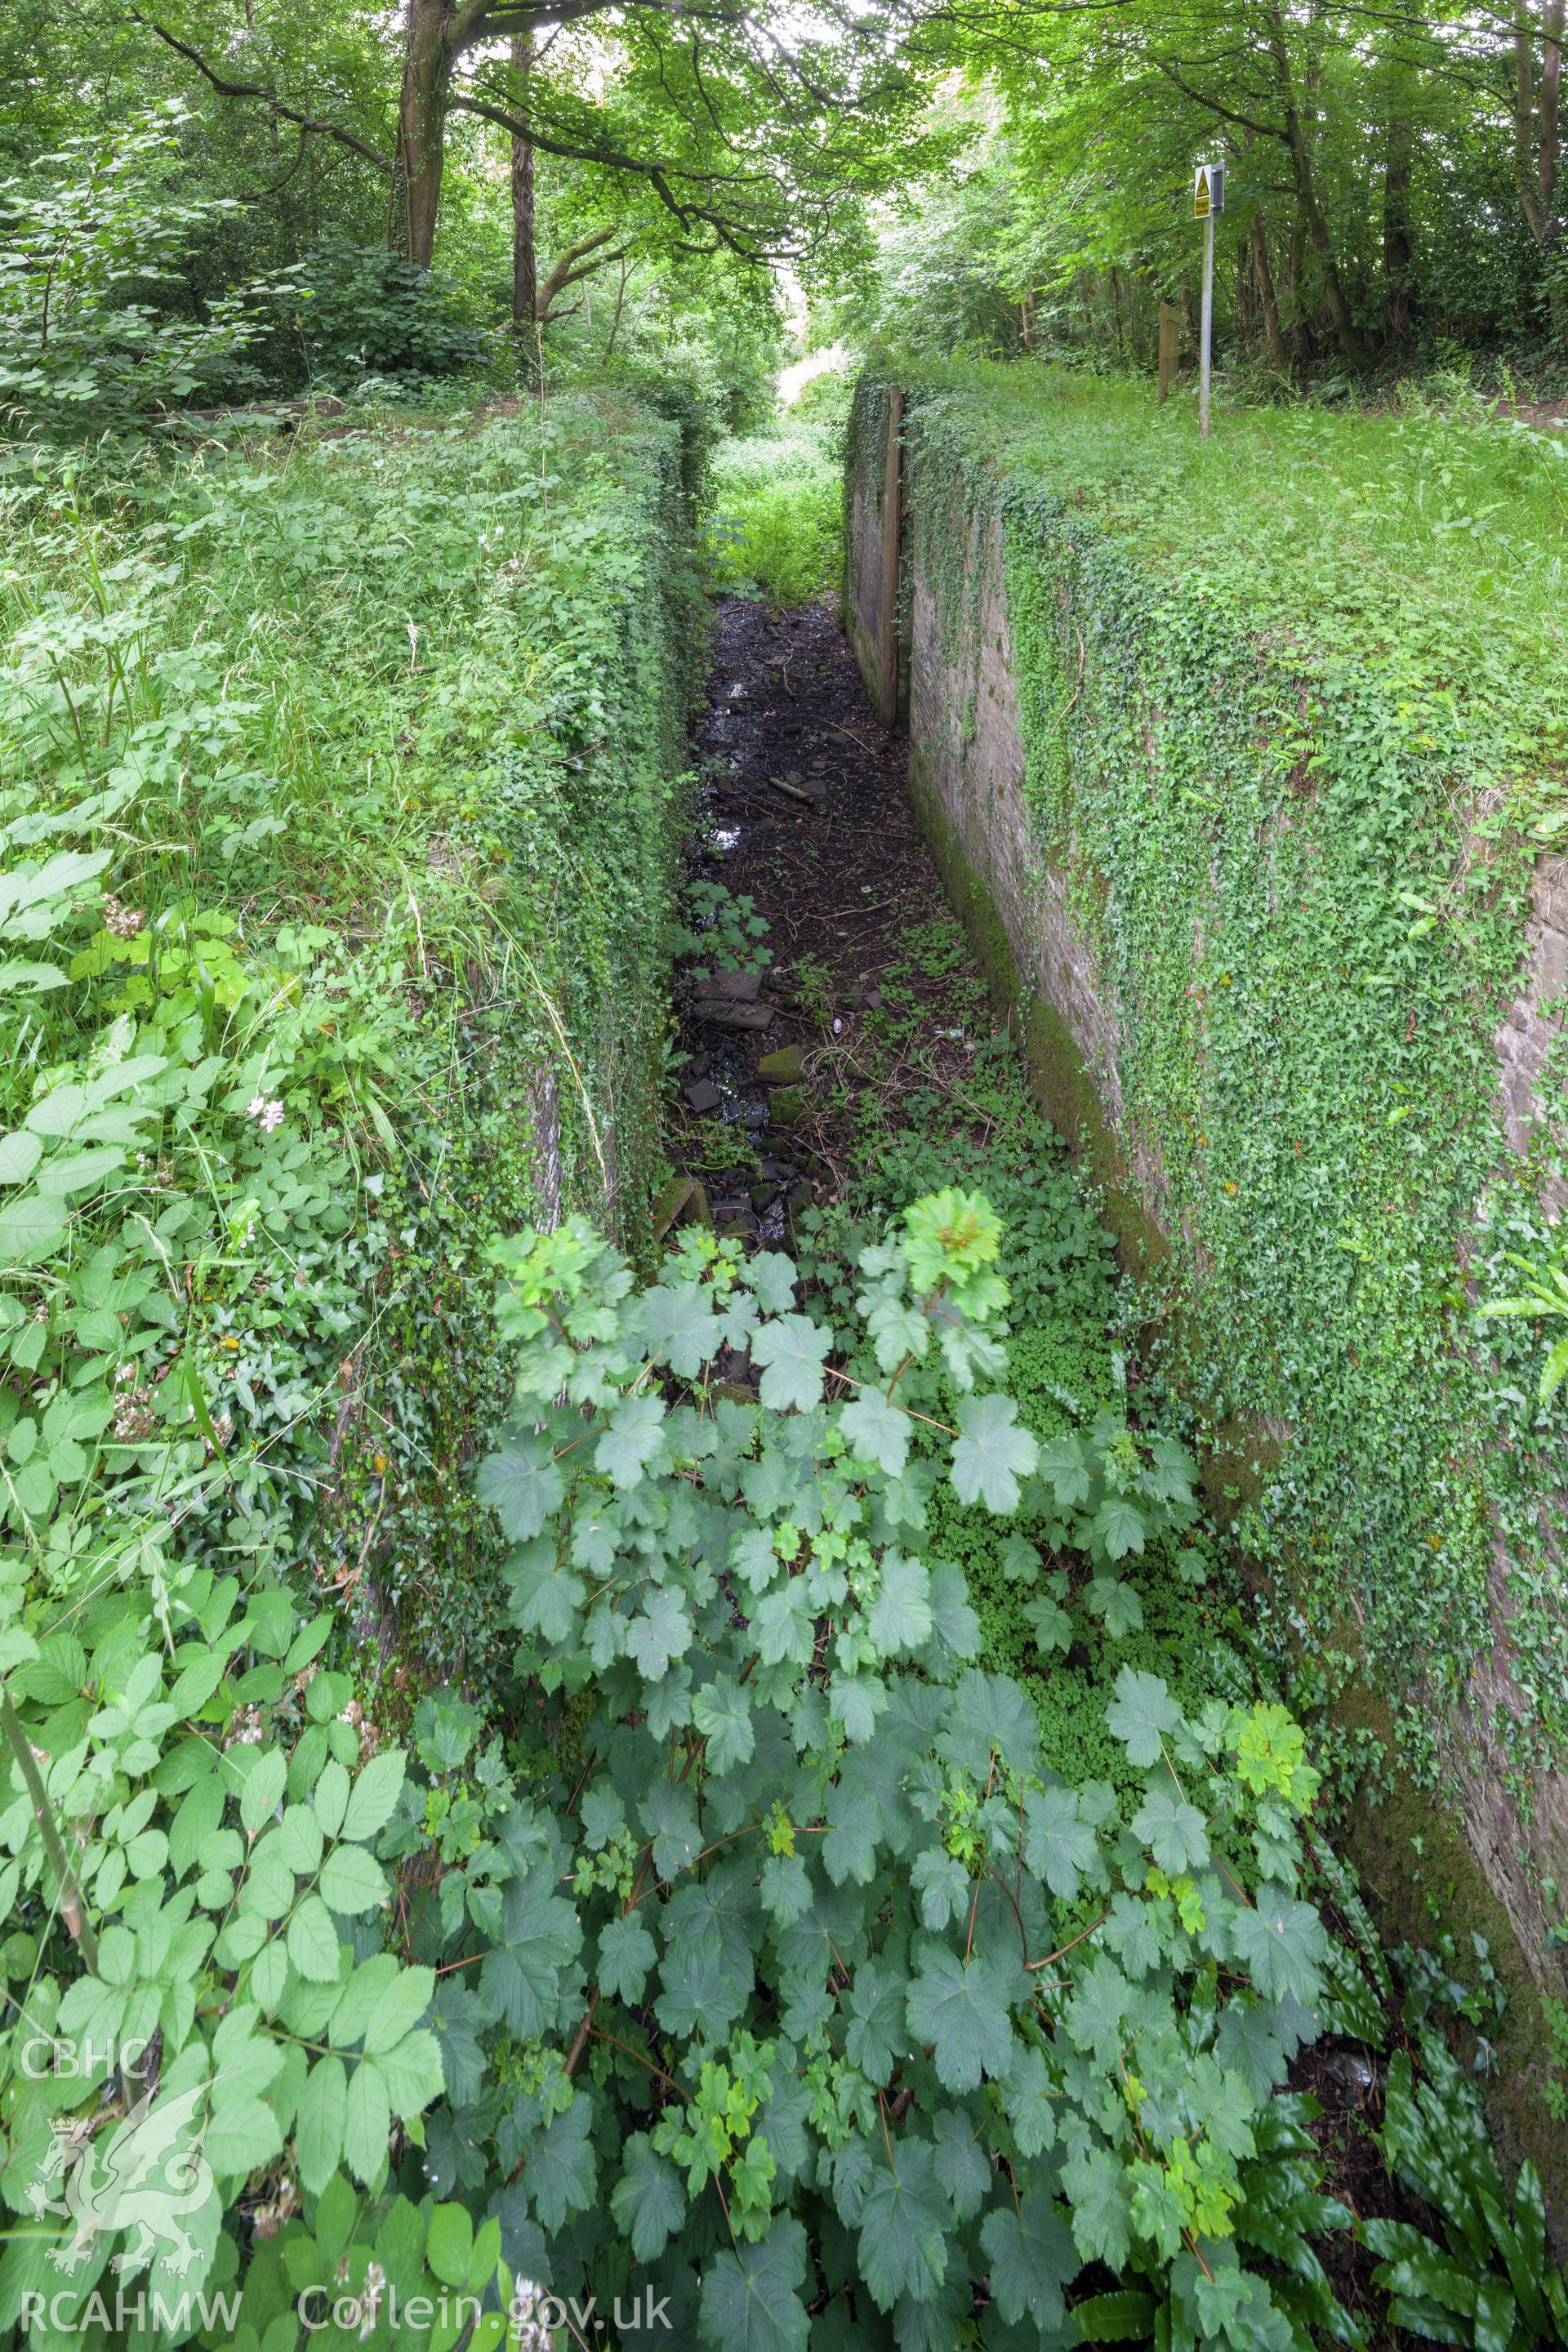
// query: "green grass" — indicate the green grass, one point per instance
point(1430, 540)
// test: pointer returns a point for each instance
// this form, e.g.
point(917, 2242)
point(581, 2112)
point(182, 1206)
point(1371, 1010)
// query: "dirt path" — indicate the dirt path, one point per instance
point(804, 811)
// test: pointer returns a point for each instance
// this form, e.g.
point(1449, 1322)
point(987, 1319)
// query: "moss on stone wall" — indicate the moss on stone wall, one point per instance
point(1301, 867)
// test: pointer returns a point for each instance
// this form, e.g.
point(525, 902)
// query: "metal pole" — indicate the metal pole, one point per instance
point(1207, 359)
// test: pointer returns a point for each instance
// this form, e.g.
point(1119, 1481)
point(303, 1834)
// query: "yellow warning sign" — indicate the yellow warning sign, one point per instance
point(1208, 191)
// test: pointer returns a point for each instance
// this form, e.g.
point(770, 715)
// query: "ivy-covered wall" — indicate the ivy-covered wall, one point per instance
point(567, 725)
point(372, 743)
point(1272, 900)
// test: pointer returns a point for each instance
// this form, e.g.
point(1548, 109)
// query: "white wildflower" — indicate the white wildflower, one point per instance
point(529, 2333)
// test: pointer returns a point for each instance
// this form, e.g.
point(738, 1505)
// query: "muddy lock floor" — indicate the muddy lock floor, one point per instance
point(802, 809)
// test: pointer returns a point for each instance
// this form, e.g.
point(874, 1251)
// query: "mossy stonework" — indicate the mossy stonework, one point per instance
point(542, 1093)
point(1290, 967)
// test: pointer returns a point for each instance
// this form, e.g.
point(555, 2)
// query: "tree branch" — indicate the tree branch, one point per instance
point(227, 88)
point(574, 263)
point(1263, 129)
point(259, 195)
point(745, 247)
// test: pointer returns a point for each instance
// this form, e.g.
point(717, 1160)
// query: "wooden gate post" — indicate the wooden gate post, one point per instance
point(892, 518)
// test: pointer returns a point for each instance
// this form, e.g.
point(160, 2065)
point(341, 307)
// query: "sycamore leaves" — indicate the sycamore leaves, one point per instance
point(1142, 1714)
point(1282, 1946)
point(723, 1715)
point(961, 2008)
point(992, 1454)
point(954, 1239)
point(904, 2221)
point(877, 1432)
point(1031, 2256)
point(522, 1485)
point(982, 2059)
point(1109, 1496)
point(1057, 1845)
point(751, 2300)
point(612, 1564)
point(536, 1935)
point(791, 1351)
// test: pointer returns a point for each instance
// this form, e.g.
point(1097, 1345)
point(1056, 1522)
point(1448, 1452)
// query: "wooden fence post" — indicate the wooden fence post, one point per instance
point(892, 518)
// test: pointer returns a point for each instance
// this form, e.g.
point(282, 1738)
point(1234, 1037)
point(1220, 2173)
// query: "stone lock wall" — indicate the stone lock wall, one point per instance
point(1498, 1835)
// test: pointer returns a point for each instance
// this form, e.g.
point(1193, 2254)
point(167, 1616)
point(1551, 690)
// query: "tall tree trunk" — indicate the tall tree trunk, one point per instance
point(1306, 189)
point(615, 321)
point(524, 261)
point(1263, 277)
point(1397, 247)
point(1551, 105)
point(1189, 313)
point(421, 125)
point(1537, 134)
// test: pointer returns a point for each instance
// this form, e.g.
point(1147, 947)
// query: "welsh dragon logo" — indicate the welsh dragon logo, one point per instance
point(146, 2175)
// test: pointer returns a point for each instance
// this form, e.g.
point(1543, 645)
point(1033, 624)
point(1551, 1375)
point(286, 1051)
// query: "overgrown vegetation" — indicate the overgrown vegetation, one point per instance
point(311, 753)
point(736, 1781)
point(777, 525)
point(1390, 206)
point(1298, 831)
point(1317, 1067)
